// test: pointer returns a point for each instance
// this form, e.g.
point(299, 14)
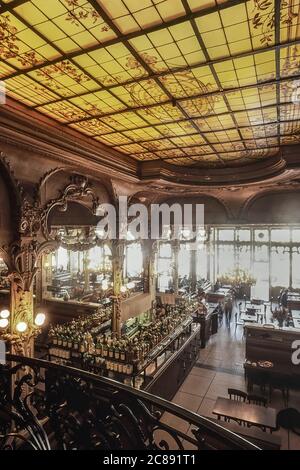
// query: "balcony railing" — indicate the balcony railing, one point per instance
point(47, 406)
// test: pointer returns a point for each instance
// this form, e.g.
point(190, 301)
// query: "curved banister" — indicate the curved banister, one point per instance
point(205, 428)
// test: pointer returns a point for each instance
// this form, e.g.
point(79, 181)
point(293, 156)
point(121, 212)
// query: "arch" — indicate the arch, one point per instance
point(271, 206)
point(215, 211)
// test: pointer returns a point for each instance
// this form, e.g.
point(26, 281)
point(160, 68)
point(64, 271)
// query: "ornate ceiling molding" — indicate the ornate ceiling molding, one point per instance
point(28, 130)
point(258, 171)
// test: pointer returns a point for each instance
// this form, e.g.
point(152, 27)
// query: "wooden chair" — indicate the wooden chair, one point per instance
point(289, 419)
point(237, 395)
point(257, 400)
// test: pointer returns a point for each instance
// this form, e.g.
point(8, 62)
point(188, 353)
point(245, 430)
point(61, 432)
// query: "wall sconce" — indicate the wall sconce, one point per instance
point(23, 333)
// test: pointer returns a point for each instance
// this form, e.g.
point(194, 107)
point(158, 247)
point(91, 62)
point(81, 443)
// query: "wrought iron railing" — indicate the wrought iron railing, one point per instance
point(46, 406)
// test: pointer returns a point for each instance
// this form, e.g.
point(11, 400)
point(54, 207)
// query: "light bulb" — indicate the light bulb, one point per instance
point(40, 319)
point(3, 323)
point(5, 314)
point(21, 327)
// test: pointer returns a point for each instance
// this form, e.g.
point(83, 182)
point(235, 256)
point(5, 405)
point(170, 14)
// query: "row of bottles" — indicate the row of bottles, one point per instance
point(74, 334)
point(124, 355)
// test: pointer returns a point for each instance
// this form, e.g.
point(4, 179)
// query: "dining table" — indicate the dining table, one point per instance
point(241, 412)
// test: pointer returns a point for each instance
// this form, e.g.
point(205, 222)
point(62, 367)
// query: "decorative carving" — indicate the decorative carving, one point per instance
point(30, 223)
point(78, 188)
point(85, 412)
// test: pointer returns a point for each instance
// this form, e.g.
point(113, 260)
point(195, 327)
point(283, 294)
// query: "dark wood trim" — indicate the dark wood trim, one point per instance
point(29, 129)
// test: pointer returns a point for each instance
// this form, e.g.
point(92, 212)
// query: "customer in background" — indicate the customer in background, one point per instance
point(283, 301)
point(228, 311)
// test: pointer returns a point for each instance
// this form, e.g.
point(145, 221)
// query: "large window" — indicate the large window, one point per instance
point(280, 266)
point(165, 267)
point(271, 254)
point(134, 261)
point(184, 261)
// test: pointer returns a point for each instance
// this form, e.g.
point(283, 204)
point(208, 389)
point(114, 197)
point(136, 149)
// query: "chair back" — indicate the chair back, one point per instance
point(257, 400)
point(237, 395)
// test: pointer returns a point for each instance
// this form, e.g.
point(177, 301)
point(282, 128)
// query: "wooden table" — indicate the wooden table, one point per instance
point(264, 440)
point(248, 413)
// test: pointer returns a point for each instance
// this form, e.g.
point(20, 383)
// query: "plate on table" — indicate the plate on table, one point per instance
point(265, 364)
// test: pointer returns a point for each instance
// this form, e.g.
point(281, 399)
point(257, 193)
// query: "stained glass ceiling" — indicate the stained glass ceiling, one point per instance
point(207, 83)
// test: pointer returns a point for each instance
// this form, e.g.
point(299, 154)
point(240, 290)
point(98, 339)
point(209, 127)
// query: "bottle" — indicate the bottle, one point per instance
point(105, 348)
point(117, 351)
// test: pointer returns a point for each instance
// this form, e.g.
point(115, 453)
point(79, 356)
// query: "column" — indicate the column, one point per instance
point(24, 263)
point(118, 255)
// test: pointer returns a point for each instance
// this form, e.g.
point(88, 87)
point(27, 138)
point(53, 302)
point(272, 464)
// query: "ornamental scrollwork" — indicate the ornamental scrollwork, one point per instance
point(85, 412)
point(77, 189)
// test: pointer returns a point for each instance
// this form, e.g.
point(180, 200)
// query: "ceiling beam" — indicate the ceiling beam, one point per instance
point(9, 6)
point(277, 58)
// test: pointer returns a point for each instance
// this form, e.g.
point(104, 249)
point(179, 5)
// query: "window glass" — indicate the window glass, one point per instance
point(226, 235)
point(280, 267)
point(296, 270)
point(296, 235)
point(244, 235)
point(134, 260)
point(226, 259)
point(184, 261)
point(280, 235)
point(165, 250)
point(261, 235)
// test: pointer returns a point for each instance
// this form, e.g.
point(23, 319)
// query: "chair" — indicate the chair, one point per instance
point(257, 400)
point(289, 419)
point(237, 395)
point(280, 382)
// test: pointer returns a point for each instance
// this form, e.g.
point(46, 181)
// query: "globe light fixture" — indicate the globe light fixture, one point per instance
point(4, 314)
point(21, 327)
point(40, 319)
point(3, 323)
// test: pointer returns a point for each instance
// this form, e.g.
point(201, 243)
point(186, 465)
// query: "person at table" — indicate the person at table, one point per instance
point(284, 298)
point(228, 310)
point(220, 311)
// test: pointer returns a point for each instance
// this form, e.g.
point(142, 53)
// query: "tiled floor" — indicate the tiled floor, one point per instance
point(219, 367)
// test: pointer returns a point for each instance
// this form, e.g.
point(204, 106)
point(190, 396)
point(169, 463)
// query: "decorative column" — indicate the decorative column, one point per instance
point(118, 255)
point(24, 256)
